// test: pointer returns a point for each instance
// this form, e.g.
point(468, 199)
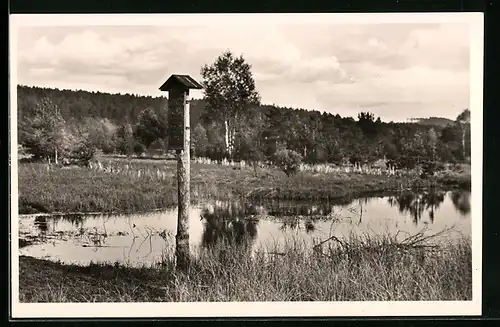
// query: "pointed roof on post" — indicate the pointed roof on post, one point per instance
point(180, 81)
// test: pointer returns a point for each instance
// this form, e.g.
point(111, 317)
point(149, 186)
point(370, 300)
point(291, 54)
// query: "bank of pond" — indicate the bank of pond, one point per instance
point(139, 239)
point(141, 187)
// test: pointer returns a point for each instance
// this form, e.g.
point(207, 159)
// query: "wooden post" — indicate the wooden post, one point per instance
point(178, 87)
point(183, 179)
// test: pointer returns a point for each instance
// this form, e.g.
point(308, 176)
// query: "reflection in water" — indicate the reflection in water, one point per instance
point(290, 223)
point(42, 224)
point(288, 208)
point(75, 219)
point(294, 223)
point(415, 204)
point(145, 238)
point(228, 222)
point(299, 215)
point(310, 226)
point(461, 200)
point(432, 201)
point(235, 222)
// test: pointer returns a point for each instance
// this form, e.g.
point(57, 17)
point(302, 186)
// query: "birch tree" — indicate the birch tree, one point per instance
point(230, 92)
point(432, 143)
point(464, 121)
point(43, 133)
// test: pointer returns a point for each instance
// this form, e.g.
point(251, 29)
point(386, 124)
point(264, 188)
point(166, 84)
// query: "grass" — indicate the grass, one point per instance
point(361, 268)
point(459, 175)
point(124, 186)
point(86, 190)
point(377, 268)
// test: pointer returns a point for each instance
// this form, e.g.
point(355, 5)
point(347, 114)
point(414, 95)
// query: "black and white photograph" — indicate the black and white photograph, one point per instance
point(246, 165)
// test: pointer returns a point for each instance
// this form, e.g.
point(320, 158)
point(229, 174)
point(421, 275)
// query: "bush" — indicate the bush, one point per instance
point(107, 149)
point(288, 161)
point(407, 162)
point(245, 150)
point(123, 147)
point(139, 148)
point(82, 154)
point(429, 168)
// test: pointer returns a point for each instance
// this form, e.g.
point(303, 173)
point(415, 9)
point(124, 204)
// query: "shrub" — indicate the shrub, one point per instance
point(248, 151)
point(288, 161)
point(139, 148)
point(429, 168)
point(83, 153)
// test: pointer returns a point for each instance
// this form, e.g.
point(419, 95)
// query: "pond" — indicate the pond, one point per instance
point(144, 239)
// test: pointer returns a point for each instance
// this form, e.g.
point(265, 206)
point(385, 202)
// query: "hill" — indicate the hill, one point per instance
point(432, 121)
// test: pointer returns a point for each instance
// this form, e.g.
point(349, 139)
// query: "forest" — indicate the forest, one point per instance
point(127, 123)
point(56, 123)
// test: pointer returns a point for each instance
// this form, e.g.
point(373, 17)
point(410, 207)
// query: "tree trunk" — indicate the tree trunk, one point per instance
point(183, 177)
point(254, 164)
point(229, 136)
point(233, 132)
point(55, 157)
point(226, 136)
point(231, 141)
point(463, 142)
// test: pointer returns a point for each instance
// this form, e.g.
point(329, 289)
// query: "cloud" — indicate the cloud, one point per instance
point(341, 68)
point(122, 63)
point(392, 46)
point(397, 94)
point(446, 47)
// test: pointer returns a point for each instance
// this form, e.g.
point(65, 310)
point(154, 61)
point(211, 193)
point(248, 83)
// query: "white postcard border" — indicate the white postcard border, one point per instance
point(262, 309)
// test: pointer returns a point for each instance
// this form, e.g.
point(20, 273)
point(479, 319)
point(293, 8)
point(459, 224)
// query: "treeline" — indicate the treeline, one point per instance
point(120, 109)
point(130, 124)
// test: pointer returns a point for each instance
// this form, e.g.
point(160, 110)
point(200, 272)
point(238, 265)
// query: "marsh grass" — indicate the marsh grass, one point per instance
point(371, 268)
point(125, 186)
point(86, 190)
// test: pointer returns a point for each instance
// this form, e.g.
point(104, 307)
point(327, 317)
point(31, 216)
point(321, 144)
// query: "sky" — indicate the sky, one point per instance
point(395, 71)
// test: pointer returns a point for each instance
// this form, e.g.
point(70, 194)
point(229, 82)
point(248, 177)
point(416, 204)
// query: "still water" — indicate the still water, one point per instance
point(143, 239)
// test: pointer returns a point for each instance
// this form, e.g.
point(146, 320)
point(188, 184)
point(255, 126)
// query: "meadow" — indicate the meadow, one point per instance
point(121, 185)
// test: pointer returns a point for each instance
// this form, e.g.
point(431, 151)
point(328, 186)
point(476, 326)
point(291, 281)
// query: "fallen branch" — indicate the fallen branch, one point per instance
point(418, 241)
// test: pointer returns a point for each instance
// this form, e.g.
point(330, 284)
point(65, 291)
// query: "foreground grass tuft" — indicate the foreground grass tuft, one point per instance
point(375, 268)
